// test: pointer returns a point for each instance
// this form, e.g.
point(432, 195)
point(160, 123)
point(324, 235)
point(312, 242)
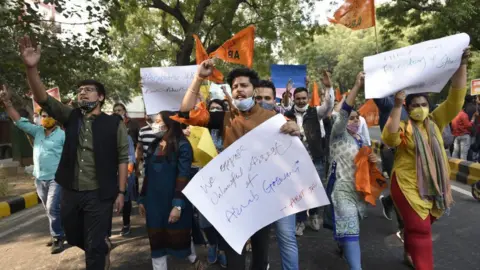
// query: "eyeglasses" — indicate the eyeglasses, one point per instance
point(87, 89)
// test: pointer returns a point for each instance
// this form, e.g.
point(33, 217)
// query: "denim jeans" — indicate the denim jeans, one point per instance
point(50, 194)
point(320, 167)
point(461, 145)
point(287, 242)
point(352, 253)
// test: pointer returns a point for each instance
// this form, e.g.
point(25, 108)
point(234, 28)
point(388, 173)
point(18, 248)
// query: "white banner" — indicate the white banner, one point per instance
point(262, 177)
point(163, 88)
point(216, 91)
point(423, 67)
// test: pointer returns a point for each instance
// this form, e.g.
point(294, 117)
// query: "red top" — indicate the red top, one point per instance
point(461, 125)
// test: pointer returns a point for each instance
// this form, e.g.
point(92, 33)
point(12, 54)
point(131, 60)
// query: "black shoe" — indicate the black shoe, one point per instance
point(57, 246)
point(125, 230)
point(387, 209)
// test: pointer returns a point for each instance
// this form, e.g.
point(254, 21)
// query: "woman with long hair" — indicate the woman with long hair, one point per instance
point(420, 186)
point(169, 214)
point(347, 203)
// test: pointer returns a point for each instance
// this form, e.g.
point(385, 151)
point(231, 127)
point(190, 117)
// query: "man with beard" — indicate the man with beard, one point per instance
point(250, 115)
point(314, 129)
point(93, 167)
point(47, 149)
point(285, 228)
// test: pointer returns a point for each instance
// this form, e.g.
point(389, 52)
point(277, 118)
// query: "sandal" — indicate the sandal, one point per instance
point(199, 265)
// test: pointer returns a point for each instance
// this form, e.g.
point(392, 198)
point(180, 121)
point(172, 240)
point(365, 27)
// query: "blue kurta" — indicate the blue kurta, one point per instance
point(165, 178)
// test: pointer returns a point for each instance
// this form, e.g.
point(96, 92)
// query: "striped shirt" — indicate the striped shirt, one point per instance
point(146, 137)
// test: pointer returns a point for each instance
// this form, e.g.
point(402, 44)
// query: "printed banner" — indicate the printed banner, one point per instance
point(423, 67)
point(475, 87)
point(281, 74)
point(262, 177)
point(163, 88)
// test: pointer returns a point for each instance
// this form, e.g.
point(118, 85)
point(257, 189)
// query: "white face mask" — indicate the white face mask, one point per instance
point(303, 109)
point(244, 104)
point(158, 129)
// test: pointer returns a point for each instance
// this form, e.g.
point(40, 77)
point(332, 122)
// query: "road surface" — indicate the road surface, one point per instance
point(456, 243)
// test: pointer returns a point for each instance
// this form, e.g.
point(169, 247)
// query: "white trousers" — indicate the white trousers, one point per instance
point(161, 263)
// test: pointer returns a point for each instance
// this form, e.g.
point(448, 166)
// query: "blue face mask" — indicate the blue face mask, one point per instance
point(244, 104)
point(267, 106)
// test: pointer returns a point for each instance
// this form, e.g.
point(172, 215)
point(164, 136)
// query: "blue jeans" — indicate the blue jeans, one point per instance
point(320, 167)
point(50, 195)
point(351, 250)
point(287, 242)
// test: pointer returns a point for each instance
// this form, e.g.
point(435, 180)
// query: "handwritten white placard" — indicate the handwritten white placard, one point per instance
point(423, 67)
point(259, 179)
point(216, 91)
point(163, 88)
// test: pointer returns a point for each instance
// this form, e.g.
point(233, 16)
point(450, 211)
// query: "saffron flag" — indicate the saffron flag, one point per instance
point(370, 112)
point(238, 49)
point(201, 55)
point(315, 100)
point(54, 92)
point(355, 14)
point(338, 95)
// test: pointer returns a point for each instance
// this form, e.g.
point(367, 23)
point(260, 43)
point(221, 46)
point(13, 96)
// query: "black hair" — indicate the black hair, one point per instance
point(41, 111)
point(118, 116)
point(299, 90)
point(24, 113)
point(243, 72)
point(98, 85)
point(409, 99)
point(174, 133)
point(219, 102)
point(268, 84)
point(121, 105)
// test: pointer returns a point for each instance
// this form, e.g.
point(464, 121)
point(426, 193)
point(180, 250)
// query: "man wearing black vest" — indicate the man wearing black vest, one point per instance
point(93, 166)
point(314, 128)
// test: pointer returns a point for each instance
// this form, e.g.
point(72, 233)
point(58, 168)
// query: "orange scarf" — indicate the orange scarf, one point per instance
point(368, 179)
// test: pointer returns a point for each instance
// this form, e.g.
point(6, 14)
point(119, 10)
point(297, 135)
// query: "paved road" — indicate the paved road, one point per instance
point(456, 242)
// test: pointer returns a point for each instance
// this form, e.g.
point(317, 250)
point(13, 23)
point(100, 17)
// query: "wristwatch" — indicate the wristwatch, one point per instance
point(122, 192)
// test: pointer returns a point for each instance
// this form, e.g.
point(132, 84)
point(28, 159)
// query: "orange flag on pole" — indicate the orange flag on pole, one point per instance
point(355, 14)
point(238, 49)
point(370, 112)
point(338, 95)
point(315, 100)
point(201, 55)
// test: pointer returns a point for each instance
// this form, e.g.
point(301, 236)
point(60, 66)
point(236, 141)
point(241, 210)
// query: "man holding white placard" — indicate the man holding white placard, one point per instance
point(242, 82)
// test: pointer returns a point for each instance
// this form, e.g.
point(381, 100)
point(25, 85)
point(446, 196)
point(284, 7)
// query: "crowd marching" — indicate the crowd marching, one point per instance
point(87, 165)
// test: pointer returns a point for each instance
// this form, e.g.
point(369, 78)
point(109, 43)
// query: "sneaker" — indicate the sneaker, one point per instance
point(222, 259)
point(387, 209)
point(212, 254)
point(300, 228)
point(57, 246)
point(400, 235)
point(125, 230)
point(314, 222)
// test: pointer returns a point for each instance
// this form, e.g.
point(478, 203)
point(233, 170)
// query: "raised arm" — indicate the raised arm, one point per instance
point(31, 56)
point(21, 123)
point(327, 107)
point(446, 111)
point(341, 120)
point(205, 69)
point(391, 134)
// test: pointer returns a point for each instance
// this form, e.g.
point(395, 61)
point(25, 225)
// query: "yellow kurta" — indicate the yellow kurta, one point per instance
point(404, 167)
